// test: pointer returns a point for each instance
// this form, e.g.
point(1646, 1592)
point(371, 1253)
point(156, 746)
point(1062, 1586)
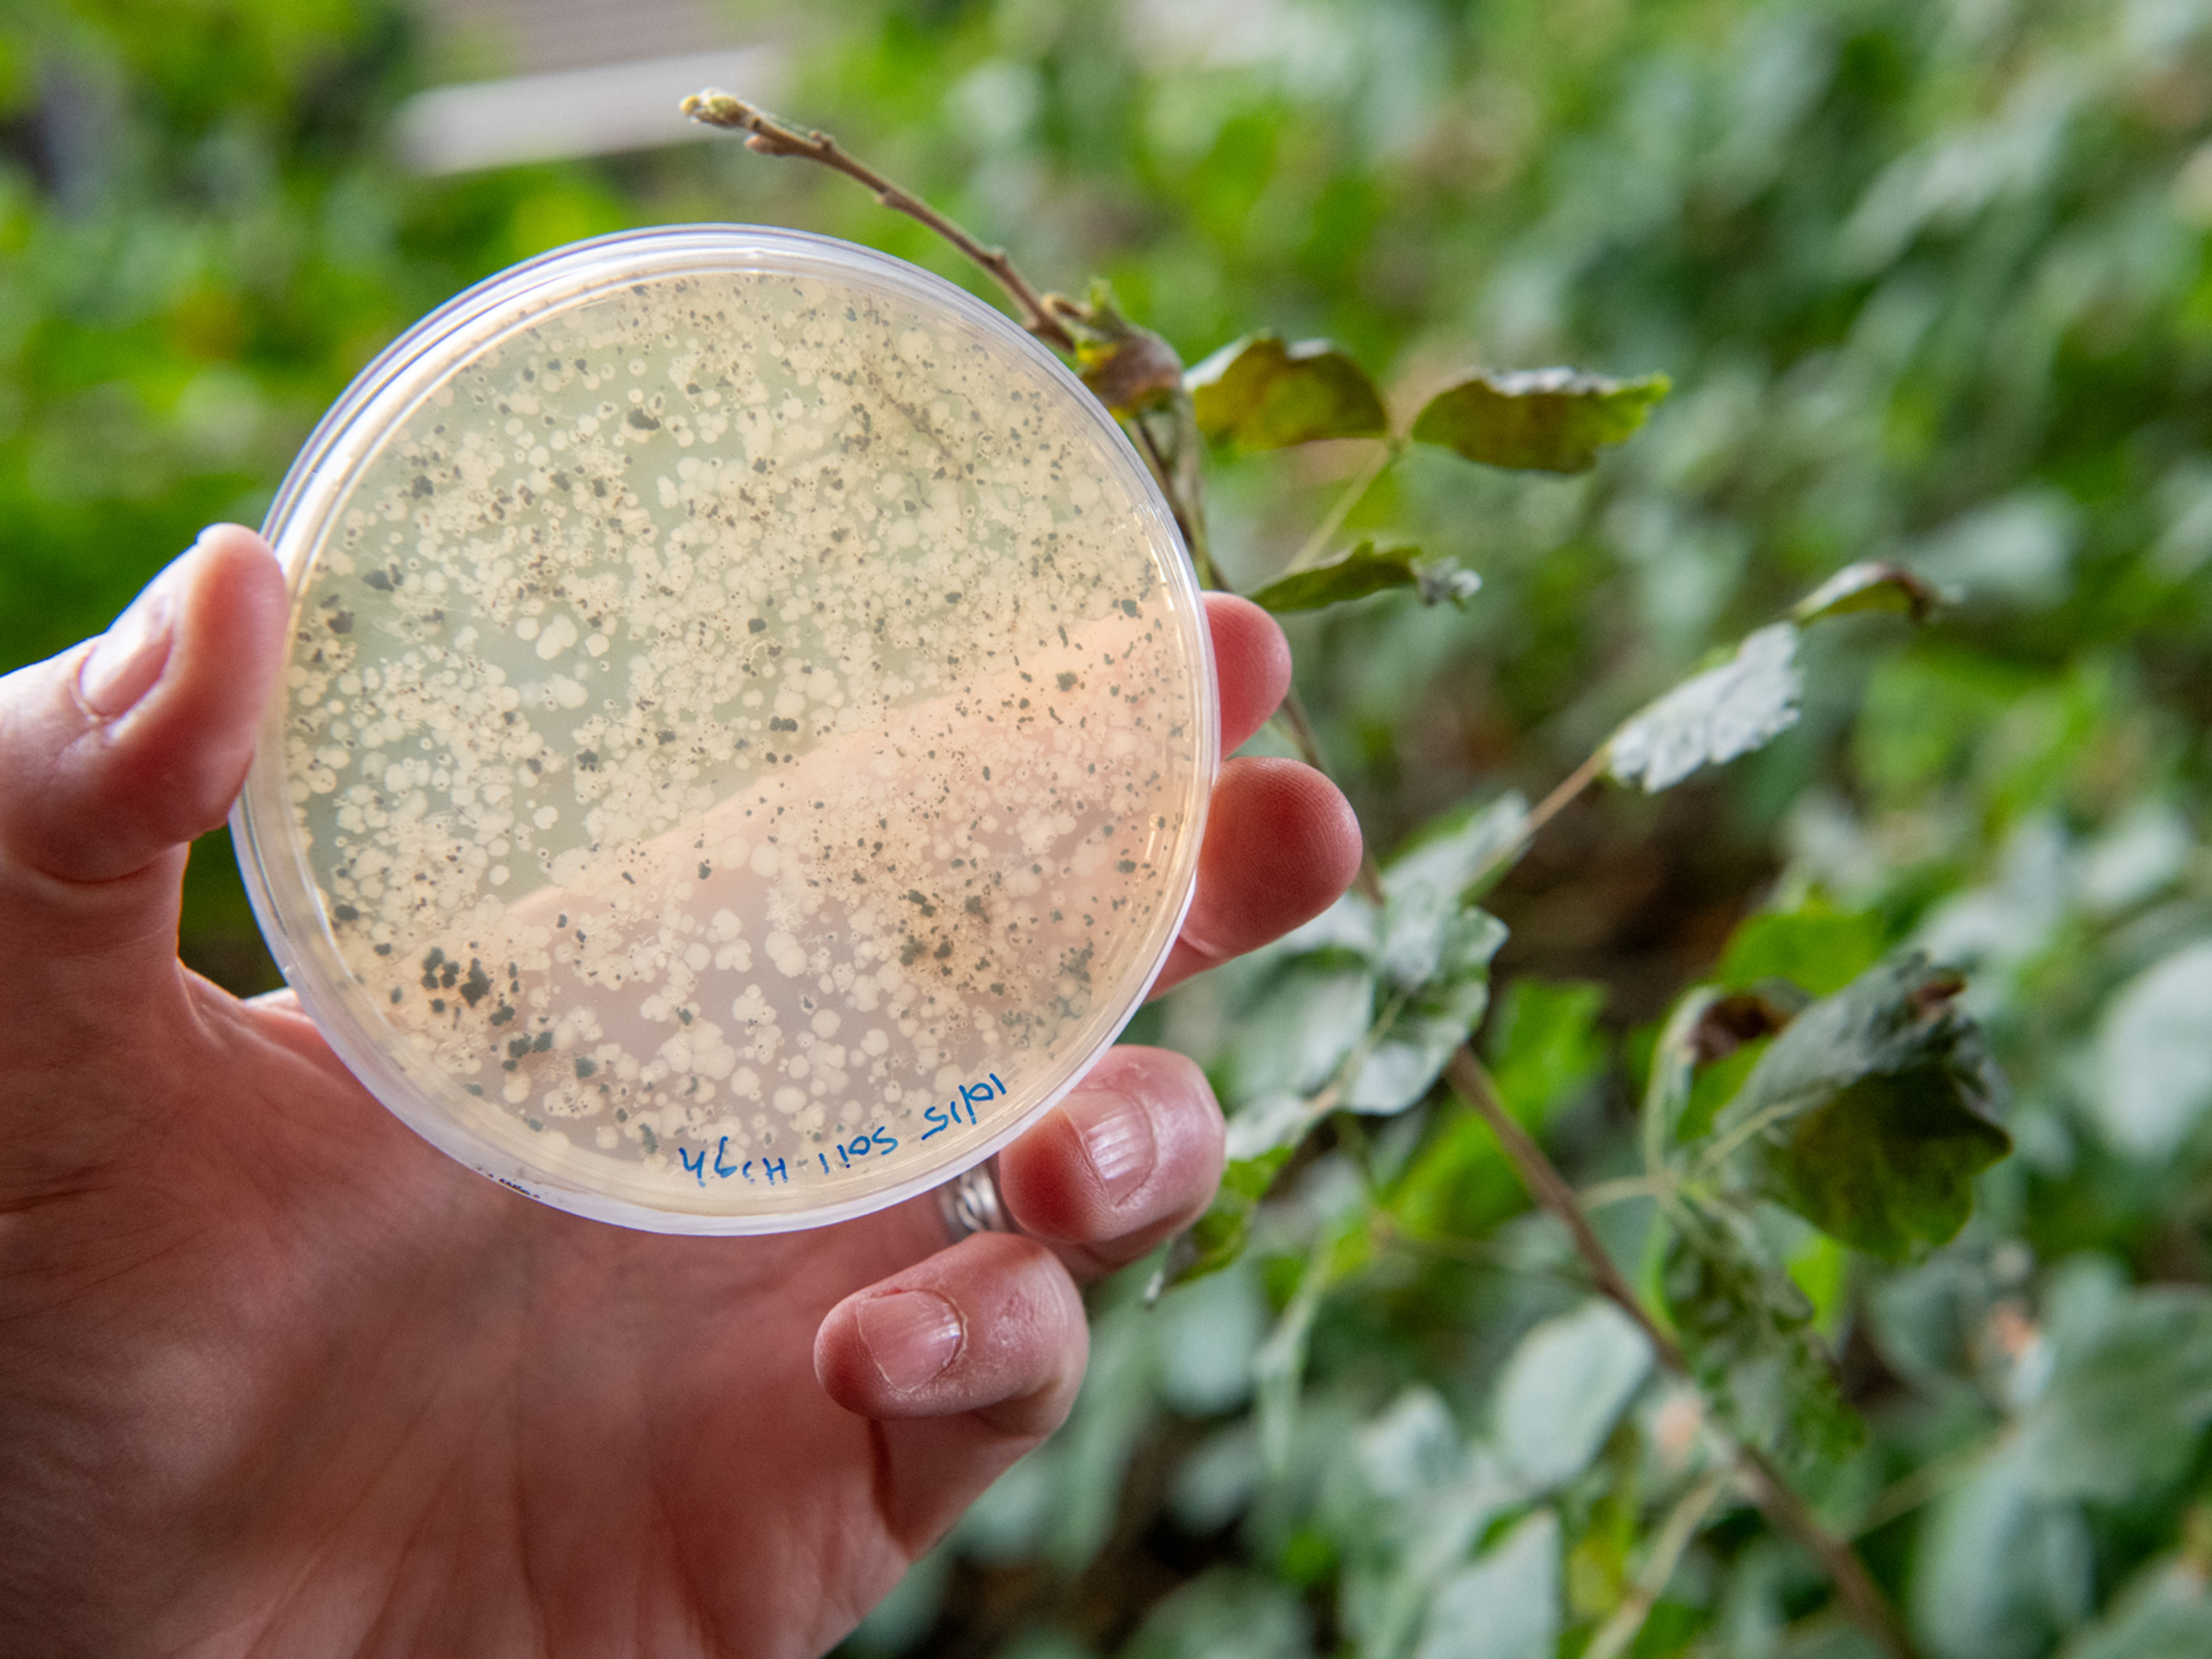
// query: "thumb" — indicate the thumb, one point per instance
point(114, 755)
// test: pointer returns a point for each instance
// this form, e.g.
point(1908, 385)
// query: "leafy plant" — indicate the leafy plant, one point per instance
point(1865, 1117)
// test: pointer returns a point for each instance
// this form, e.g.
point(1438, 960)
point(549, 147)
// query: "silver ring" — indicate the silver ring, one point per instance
point(971, 1203)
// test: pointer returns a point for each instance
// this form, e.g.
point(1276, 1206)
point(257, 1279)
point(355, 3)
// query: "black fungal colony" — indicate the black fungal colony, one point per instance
point(745, 733)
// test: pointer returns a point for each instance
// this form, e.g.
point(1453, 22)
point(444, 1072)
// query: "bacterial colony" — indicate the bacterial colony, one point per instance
point(743, 738)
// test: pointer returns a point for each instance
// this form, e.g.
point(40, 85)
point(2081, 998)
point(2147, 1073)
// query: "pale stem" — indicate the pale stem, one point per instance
point(1362, 481)
point(1549, 807)
point(1930, 1481)
point(1600, 1193)
point(1549, 1189)
point(1863, 1598)
point(1618, 1632)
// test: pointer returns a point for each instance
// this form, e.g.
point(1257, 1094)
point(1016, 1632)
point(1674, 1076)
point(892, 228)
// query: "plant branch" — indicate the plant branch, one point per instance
point(1862, 1599)
point(1861, 1596)
point(1549, 1189)
point(1600, 1193)
point(1549, 807)
point(1190, 516)
point(1362, 481)
point(770, 136)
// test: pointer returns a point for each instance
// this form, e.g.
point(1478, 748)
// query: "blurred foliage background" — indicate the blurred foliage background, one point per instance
point(1931, 279)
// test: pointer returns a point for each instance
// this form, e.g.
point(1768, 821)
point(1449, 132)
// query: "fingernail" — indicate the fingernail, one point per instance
point(1116, 1131)
point(129, 658)
point(912, 1335)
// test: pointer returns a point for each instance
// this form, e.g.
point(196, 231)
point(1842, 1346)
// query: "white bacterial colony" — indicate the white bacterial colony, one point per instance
point(745, 738)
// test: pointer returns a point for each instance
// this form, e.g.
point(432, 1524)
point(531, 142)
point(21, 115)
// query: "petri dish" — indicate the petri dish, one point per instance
point(747, 732)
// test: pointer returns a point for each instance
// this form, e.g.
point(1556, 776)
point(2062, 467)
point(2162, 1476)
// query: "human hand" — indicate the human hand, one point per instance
point(277, 1376)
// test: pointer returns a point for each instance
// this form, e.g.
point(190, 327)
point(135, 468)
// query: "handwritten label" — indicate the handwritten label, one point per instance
point(878, 1142)
point(878, 1139)
point(961, 1109)
point(701, 1164)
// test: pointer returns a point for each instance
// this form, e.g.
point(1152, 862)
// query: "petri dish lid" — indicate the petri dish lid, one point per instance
point(746, 732)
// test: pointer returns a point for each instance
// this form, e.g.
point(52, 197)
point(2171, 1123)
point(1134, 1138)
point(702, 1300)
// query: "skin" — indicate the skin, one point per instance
point(277, 1378)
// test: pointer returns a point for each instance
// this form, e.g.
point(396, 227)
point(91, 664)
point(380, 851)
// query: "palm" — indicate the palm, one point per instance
point(625, 1427)
point(277, 1377)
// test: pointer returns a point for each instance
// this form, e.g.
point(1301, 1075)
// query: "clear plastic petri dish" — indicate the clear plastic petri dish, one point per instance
point(747, 732)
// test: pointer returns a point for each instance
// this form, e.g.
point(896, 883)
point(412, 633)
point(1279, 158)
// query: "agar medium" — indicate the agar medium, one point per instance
point(746, 736)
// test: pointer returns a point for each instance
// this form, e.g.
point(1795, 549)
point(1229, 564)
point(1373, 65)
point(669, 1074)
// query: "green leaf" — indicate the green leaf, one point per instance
point(1130, 371)
point(2129, 1397)
point(1218, 1237)
point(1435, 1019)
point(1127, 368)
point(1222, 1614)
point(1368, 570)
point(1868, 1115)
point(1547, 1045)
point(1674, 1070)
point(1460, 1182)
point(1868, 586)
point(1412, 1499)
point(1303, 1028)
point(2001, 1569)
point(2165, 1613)
point(1712, 1039)
point(1548, 420)
point(2154, 1063)
point(1455, 855)
point(1568, 1381)
point(1259, 394)
point(1506, 1604)
point(1747, 1331)
point(1816, 947)
point(1278, 1367)
point(1435, 948)
point(1713, 717)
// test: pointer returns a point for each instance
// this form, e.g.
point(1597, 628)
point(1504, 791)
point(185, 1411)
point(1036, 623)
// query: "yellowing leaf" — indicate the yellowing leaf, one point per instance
point(1544, 419)
point(1867, 587)
point(1259, 394)
point(1366, 570)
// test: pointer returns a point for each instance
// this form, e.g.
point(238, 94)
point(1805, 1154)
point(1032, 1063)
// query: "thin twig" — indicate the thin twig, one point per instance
point(1618, 1632)
point(1906, 1494)
point(1575, 781)
point(1550, 1188)
point(1317, 543)
point(1190, 518)
point(773, 138)
point(1862, 1599)
point(1549, 807)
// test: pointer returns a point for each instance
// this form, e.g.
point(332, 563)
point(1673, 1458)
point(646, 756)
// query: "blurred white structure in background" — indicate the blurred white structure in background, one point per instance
point(581, 77)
